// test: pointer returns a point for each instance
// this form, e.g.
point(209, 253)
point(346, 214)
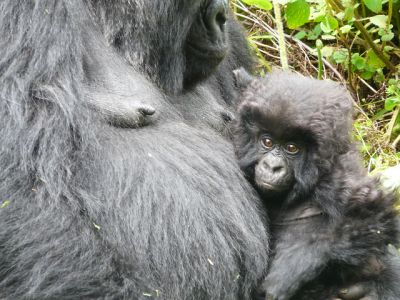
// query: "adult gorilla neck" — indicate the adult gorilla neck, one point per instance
point(187, 48)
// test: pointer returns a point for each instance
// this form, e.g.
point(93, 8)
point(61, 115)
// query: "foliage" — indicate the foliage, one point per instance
point(352, 41)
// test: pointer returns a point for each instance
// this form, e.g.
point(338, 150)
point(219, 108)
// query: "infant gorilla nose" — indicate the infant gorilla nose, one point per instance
point(272, 174)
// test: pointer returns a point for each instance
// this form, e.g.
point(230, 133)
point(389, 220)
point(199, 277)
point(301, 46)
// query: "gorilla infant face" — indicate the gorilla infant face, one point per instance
point(277, 159)
point(288, 131)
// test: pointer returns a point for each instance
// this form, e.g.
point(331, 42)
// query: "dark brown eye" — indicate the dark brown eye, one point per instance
point(292, 148)
point(267, 143)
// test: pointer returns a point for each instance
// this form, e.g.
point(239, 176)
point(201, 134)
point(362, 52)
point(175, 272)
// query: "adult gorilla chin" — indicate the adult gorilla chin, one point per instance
point(94, 210)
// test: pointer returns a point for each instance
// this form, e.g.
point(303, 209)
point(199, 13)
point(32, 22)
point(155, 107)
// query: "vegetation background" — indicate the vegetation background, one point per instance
point(355, 42)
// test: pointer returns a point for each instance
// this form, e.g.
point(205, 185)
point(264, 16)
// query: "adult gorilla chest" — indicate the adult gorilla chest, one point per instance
point(177, 215)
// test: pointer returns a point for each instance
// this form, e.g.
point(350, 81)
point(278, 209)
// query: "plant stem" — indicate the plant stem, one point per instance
point(374, 47)
point(392, 123)
point(396, 141)
point(396, 15)
point(320, 62)
point(234, 7)
point(281, 36)
point(390, 13)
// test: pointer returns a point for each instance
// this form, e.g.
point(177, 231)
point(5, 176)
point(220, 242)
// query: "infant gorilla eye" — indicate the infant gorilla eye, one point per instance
point(267, 142)
point(292, 149)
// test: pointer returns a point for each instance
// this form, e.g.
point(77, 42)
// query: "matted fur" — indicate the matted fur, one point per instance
point(93, 211)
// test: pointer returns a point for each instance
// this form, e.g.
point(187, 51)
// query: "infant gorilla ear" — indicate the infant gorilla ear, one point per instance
point(242, 78)
point(330, 223)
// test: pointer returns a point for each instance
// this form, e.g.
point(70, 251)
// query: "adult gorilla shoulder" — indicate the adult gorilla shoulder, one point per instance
point(94, 211)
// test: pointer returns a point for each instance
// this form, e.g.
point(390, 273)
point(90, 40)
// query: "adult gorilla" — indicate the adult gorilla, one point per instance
point(94, 210)
point(90, 210)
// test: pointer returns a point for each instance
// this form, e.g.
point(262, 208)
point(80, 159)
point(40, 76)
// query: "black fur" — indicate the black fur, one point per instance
point(350, 219)
point(89, 210)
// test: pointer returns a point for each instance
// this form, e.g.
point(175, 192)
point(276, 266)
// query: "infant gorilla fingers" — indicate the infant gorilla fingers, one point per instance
point(359, 291)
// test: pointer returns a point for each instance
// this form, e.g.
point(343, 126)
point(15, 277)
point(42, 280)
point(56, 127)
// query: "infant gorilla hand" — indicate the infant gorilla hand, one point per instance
point(358, 291)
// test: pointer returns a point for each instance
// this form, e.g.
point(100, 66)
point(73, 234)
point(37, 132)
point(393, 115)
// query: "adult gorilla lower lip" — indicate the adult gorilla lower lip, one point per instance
point(217, 53)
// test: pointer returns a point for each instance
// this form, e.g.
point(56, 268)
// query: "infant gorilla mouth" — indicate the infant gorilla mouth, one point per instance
point(331, 223)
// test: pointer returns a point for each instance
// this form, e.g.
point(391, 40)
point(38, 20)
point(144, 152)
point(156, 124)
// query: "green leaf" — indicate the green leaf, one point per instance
point(328, 37)
point(340, 56)
point(373, 60)
point(329, 24)
point(300, 35)
point(297, 13)
point(327, 51)
point(262, 4)
point(315, 33)
point(379, 114)
point(391, 103)
point(379, 20)
point(345, 29)
point(348, 13)
point(358, 61)
point(368, 72)
point(387, 37)
point(339, 15)
point(373, 5)
point(367, 75)
point(379, 76)
point(319, 17)
point(388, 48)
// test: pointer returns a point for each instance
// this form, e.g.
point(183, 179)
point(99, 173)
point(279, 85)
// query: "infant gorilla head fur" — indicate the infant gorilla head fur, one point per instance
point(292, 137)
point(293, 142)
point(291, 133)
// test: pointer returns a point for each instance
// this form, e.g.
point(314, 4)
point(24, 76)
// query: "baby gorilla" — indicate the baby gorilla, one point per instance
point(330, 223)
